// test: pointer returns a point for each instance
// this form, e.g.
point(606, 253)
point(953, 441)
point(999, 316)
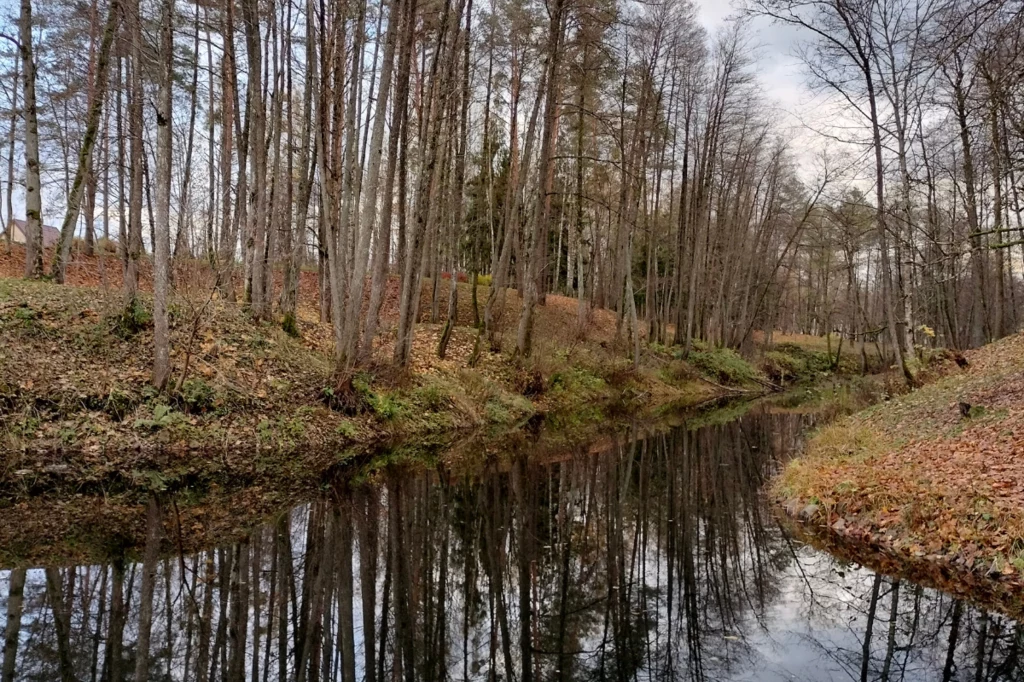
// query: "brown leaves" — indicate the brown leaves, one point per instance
point(937, 487)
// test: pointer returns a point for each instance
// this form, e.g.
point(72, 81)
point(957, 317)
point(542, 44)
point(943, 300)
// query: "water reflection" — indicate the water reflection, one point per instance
point(653, 558)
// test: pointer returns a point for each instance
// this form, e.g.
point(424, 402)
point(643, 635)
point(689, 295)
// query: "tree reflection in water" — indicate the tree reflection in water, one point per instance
point(654, 558)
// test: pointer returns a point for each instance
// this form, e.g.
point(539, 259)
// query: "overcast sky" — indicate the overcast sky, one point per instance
point(780, 71)
point(778, 67)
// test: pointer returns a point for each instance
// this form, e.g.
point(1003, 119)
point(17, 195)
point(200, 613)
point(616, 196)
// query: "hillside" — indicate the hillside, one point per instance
point(76, 405)
point(933, 479)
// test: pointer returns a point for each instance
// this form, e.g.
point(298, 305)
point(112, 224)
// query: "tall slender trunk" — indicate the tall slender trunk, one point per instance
point(256, 233)
point(11, 136)
point(399, 127)
point(33, 189)
point(229, 95)
point(980, 331)
point(62, 251)
point(162, 227)
point(367, 216)
point(12, 631)
point(426, 195)
point(460, 181)
point(136, 158)
point(546, 171)
point(61, 622)
point(154, 527)
point(499, 268)
point(883, 232)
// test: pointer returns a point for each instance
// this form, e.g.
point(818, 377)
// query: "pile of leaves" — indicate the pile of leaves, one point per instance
point(933, 477)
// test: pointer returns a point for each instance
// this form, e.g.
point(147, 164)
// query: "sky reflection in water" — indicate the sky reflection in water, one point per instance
point(651, 558)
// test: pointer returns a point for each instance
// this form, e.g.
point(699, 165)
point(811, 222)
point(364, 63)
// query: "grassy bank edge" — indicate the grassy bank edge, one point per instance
point(876, 487)
point(255, 403)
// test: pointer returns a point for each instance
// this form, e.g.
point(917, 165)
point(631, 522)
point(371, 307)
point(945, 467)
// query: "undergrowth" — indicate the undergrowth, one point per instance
point(723, 365)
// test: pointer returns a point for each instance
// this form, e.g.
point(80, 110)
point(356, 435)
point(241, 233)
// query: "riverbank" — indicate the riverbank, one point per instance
point(931, 482)
point(76, 407)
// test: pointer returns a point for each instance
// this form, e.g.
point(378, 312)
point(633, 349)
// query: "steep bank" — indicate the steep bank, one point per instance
point(75, 402)
point(931, 482)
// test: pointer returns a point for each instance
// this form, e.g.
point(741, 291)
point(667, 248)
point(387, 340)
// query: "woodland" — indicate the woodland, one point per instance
point(323, 275)
point(615, 153)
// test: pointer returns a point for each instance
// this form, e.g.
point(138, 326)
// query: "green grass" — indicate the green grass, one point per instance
point(724, 366)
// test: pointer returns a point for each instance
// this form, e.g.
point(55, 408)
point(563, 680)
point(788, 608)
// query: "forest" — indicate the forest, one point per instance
point(511, 340)
point(616, 153)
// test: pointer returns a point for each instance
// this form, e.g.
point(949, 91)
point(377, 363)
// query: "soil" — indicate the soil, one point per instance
point(250, 402)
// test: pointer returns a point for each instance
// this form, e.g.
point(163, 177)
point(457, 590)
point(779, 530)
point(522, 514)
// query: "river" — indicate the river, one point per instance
point(649, 555)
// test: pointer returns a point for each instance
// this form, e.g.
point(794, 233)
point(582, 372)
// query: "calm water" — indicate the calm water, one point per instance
point(640, 558)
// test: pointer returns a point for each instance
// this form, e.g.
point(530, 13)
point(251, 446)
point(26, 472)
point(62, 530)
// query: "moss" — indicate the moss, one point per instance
point(249, 383)
point(575, 381)
point(196, 396)
point(164, 416)
point(119, 404)
point(386, 406)
point(346, 429)
point(433, 395)
point(783, 368)
point(290, 326)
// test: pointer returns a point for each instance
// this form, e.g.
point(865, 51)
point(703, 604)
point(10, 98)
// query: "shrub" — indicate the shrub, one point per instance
point(507, 409)
point(432, 395)
point(25, 314)
point(350, 396)
point(814, 361)
point(496, 413)
point(575, 380)
point(385, 406)
point(723, 365)
point(119, 404)
point(346, 429)
point(132, 319)
point(781, 367)
point(196, 396)
point(529, 383)
point(163, 416)
point(290, 326)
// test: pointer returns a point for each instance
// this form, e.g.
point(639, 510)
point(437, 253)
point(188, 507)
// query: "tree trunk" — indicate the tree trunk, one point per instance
point(62, 251)
point(12, 632)
point(256, 116)
point(33, 189)
point(11, 136)
point(367, 216)
point(546, 171)
point(162, 227)
point(154, 529)
point(136, 159)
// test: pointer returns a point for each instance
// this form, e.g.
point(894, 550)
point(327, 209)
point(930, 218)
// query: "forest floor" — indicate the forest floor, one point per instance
point(929, 484)
point(78, 414)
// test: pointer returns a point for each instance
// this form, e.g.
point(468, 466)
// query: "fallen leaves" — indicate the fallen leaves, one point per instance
point(931, 485)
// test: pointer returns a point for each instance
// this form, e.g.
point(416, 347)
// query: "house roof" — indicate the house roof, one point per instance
point(50, 234)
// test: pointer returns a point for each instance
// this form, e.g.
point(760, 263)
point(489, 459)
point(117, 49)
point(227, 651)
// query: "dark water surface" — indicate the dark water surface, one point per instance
point(644, 557)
